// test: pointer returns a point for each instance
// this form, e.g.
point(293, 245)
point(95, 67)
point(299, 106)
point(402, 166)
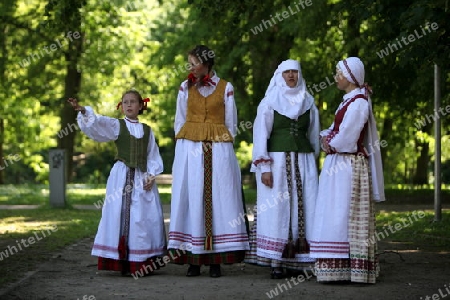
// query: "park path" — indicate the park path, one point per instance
point(71, 273)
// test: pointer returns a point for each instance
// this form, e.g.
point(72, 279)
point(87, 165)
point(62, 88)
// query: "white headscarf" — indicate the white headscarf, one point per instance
point(290, 102)
point(356, 66)
point(353, 70)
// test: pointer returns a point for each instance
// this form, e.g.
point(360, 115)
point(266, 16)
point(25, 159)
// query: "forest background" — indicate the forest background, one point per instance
point(95, 50)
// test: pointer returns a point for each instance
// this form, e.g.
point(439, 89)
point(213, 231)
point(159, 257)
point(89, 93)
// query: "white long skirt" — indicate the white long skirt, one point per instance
point(333, 208)
point(147, 236)
point(187, 220)
point(277, 206)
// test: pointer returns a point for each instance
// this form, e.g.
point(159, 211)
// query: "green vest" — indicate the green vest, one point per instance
point(130, 150)
point(289, 135)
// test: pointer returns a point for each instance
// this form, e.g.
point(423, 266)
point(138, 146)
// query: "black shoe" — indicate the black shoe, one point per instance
point(276, 273)
point(125, 268)
point(193, 270)
point(214, 271)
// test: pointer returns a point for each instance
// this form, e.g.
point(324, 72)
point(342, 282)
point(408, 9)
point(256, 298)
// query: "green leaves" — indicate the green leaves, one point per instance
point(143, 44)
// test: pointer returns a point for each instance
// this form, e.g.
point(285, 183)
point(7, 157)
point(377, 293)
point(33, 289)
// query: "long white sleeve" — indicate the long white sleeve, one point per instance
point(230, 110)
point(97, 127)
point(354, 120)
point(262, 128)
point(327, 131)
point(154, 160)
point(181, 111)
point(105, 129)
point(313, 130)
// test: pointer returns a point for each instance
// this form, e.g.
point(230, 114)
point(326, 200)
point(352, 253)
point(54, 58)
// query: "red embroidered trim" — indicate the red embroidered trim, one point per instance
point(364, 85)
point(132, 121)
point(350, 72)
point(256, 162)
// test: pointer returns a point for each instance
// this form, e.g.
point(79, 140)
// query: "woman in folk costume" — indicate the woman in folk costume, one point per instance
point(285, 147)
point(350, 181)
point(131, 232)
point(206, 188)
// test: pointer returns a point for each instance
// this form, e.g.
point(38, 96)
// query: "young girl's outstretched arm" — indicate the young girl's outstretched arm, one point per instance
point(97, 127)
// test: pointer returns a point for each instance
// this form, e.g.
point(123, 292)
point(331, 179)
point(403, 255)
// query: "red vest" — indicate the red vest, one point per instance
point(338, 120)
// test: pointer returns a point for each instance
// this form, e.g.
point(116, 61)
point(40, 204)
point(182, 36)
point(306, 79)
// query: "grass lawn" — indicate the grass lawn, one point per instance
point(77, 194)
point(414, 229)
point(88, 194)
point(28, 237)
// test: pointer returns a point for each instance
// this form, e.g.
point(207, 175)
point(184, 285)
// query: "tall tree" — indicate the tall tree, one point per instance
point(408, 38)
point(65, 17)
point(16, 140)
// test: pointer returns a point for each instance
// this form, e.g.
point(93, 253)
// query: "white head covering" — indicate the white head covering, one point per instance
point(353, 70)
point(290, 102)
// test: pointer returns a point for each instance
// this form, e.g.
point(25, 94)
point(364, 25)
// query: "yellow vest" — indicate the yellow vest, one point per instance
point(205, 117)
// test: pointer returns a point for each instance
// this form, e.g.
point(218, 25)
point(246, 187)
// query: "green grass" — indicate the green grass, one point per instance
point(88, 194)
point(77, 194)
point(23, 194)
point(415, 229)
point(44, 231)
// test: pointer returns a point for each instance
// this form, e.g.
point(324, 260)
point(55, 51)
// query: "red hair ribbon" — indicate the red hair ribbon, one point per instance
point(205, 81)
point(146, 100)
point(191, 79)
point(368, 89)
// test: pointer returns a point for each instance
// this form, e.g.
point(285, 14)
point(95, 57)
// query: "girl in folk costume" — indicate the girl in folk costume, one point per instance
point(350, 181)
point(285, 148)
point(131, 232)
point(206, 188)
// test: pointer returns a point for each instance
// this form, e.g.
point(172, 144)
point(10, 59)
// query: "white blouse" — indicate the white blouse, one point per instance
point(353, 122)
point(104, 129)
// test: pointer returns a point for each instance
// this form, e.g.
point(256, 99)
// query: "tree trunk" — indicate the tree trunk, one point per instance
point(421, 174)
point(387, 127)
point(422, 162)
point(353, 36)
point(2, 132)
point(68, 116)
point(4, 51)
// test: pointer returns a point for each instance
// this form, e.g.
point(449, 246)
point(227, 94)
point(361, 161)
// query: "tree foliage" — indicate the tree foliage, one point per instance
point(143, 44)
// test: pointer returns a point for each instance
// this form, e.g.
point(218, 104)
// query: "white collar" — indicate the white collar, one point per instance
point(351, 94)
point(132, 121)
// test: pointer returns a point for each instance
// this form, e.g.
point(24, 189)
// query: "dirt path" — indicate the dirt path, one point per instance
point(72, 274)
